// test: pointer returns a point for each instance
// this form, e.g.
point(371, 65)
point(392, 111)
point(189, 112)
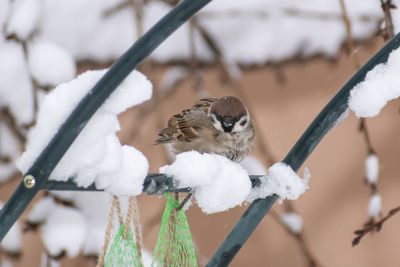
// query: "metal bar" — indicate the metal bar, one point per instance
point(154, 184)
point(296, 157)
point(67, 133)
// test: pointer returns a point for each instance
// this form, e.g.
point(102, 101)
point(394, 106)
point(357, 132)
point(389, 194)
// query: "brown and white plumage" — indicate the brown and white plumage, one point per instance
point(220, 126)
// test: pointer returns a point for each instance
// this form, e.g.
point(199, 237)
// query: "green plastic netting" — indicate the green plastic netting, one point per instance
point(174, 246)
point(123, 251)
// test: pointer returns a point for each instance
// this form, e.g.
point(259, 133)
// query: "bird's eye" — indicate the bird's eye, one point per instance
point(243, 122)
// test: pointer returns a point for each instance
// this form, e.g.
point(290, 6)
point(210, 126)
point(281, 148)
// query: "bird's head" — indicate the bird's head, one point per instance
point(229, 114)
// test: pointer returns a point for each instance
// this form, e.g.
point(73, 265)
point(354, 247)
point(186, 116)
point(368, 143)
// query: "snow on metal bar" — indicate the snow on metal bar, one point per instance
point(296, 157)
point(154, 184)
point(52, 154)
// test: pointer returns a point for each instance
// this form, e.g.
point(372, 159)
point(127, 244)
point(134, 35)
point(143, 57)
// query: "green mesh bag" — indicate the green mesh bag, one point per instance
point(123, 251)
point(174, 246)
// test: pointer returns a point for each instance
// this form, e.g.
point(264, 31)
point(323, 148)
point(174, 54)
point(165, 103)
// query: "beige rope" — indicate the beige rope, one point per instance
point(128, 218)
point(131, 213)
point(118, 207)
point(102, 256)
point(137, 227)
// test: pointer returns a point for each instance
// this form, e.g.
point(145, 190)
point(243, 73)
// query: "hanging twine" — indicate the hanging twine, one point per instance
point(118, 208)
point(136, 225)
point(102, 256)
point(131, 213)
point(128, 219)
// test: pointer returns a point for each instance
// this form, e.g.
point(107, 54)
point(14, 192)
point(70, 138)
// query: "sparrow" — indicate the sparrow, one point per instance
point(219, 126)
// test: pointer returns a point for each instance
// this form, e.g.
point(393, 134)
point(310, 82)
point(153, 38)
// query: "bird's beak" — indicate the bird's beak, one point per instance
point(227, 121)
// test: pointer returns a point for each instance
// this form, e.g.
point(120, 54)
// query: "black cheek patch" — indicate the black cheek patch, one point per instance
point(243, 123)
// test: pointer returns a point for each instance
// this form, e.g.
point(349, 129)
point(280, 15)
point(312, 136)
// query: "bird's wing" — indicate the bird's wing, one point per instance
point(204, 104)
point(182, 126)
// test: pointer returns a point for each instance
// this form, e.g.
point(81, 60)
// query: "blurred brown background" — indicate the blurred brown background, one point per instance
point(286, 98)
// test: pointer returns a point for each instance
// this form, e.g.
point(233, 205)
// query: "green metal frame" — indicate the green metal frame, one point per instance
point(296, 157)
point(37, 176)
point(67, 133)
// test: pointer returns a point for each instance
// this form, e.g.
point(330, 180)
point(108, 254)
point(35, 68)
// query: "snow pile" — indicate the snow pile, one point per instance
point(253, 166)
point(375, 206)
point(292, 221)
point(305, 28)
point(372, 169)
point(24, 18)
point(64, 230)
point(95, 209)
point(283, 181)
point(219, 184)
point(50, 64)
point(12, 242)
point(177, 46)
point(381, 84)
point(395, 12)
point(97, 154)
point(16, 91)
point(41, 210)
point(73, 230)
point(4, 9)
point(89, 34)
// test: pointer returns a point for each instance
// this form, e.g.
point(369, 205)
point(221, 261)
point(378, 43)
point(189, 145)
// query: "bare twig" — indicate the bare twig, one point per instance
point(237, 86)
point(195, 72)
point(349, 39)
point(362, 122)
point(350, 51)
point(364, 130)
point(388, 32)
point(372, 226)
point(291, 12)
point(159, 95)
point(12, 255)
point(138, 10)
point(5, 159)
point(300, 238)
point(120, 6)
point(35, 84)
point(153, 105)
point(268, 157)
point(9, 120)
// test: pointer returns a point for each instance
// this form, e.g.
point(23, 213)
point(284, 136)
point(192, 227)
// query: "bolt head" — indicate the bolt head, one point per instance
point(29, 181)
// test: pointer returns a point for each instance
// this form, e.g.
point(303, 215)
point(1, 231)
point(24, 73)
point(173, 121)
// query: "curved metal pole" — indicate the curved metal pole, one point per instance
point(52, 154)
point(296, 157)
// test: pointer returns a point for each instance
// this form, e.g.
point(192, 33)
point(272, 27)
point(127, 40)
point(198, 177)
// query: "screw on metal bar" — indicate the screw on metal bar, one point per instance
point(29, 181)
